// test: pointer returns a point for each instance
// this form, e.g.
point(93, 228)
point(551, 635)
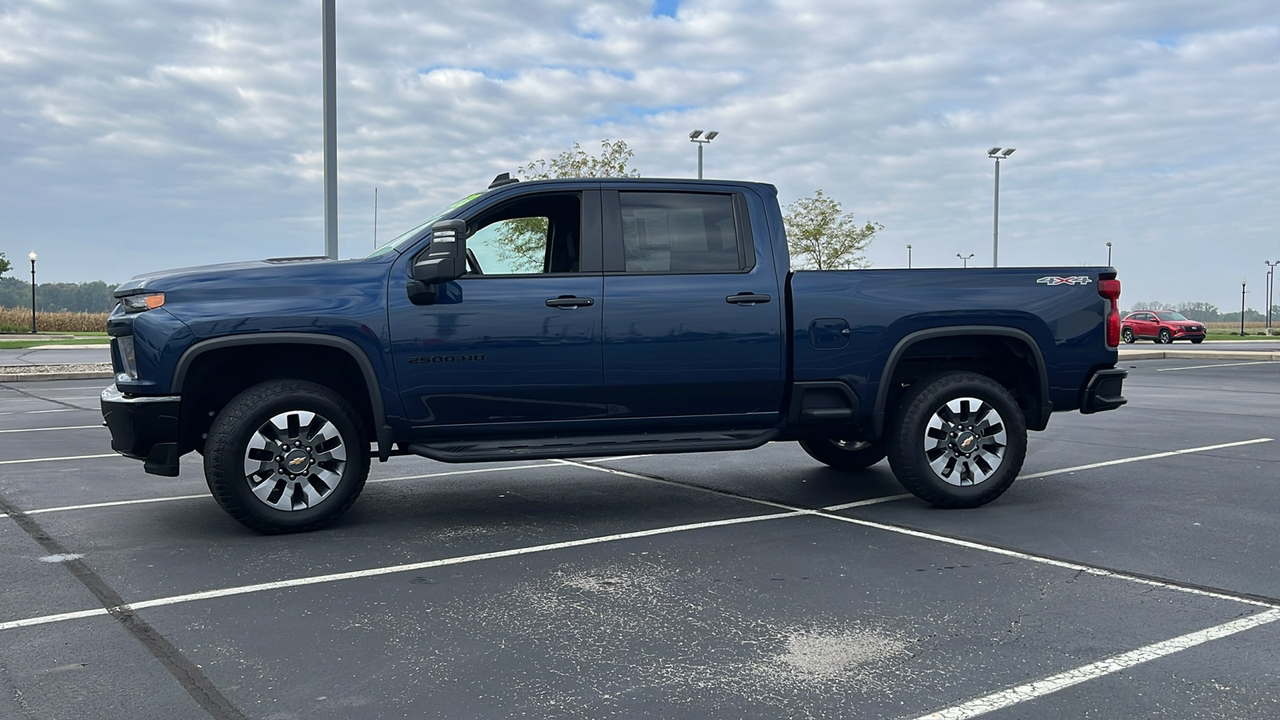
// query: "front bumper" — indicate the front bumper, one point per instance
point(144, 427)
point(1102, 392)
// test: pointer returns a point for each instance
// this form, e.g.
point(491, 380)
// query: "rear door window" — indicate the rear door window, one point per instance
point(681, 233)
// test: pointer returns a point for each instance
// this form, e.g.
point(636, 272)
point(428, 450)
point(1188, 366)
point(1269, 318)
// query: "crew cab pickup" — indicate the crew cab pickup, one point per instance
point(596, 317)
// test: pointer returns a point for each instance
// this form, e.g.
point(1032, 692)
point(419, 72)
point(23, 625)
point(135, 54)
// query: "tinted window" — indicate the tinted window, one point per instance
point(679, 232)
point(532, 235)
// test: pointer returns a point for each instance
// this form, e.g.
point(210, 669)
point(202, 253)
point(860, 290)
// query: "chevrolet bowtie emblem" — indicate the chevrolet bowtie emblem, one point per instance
point(297, 461)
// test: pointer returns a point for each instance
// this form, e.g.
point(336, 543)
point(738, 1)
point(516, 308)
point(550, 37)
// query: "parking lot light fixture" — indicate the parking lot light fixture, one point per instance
point(1243, 282)
point(908, 256)
point(965, 258)
point(697, 137)
point(997, 154)
point(1271, 293)
point(33, 291)
point(1108, 253)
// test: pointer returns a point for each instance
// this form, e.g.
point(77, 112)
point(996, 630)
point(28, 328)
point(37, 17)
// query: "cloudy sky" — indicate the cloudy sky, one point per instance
point(141, 135)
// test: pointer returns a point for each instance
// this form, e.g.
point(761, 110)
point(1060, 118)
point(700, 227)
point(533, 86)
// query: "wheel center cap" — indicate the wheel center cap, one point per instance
point(967, 441)
point(296, 461)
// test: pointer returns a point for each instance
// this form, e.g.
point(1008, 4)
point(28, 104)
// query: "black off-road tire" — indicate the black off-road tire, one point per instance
point(1127, 336)
point(912, 444)
point(847, 455)
point(251, 417)
point(1166, 337)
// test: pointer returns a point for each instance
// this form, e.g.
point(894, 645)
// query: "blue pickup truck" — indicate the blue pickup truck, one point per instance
point(596, 317)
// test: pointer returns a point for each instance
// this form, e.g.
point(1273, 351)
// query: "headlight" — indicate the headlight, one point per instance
point(128, 361)
point(141, 302)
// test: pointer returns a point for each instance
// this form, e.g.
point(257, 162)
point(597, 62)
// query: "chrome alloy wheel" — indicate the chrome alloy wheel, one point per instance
point(295, 460)
point(964, 441)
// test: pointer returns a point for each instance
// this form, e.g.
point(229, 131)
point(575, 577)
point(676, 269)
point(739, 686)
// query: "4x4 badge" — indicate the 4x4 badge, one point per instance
point(1073, 280)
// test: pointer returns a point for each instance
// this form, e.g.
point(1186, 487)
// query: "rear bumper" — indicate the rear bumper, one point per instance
point(144, 428)
point(1103, 391)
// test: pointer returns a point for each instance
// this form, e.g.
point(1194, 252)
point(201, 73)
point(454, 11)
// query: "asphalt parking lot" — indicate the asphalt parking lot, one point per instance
point(1132, 571)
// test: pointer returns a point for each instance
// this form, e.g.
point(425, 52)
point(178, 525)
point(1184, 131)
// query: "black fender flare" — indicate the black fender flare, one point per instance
point(382, 430)
point(882, 391)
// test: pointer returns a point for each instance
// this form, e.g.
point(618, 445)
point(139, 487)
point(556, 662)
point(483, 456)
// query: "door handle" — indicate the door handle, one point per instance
point(746, 298)
point(570, 301)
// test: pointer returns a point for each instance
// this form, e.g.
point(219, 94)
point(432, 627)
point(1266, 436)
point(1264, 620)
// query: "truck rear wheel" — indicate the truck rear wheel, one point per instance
point(286, 456)
point(847, 455)
point(958, 441)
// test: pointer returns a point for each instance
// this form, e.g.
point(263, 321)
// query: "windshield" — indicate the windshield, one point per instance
point(1171, 316)
point(403, 239)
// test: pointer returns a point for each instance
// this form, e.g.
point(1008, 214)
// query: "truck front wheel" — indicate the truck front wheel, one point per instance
point(848, 455)
point(286, 456)
point(958, 440)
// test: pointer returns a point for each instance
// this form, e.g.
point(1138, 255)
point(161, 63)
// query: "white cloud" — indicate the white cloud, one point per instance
point(142, 135)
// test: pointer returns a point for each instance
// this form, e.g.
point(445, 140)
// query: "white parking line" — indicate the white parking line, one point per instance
point(864, 503)
point(66, 427)
point(55, 459)
point(1116, 663)
point(203, 496)
point(392, 569)
point(1154, 456)
point(1201, 367)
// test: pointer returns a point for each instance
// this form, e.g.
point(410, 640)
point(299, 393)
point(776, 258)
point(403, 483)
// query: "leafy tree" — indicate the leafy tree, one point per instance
point(822, 237)
point(93, 296)
point(611, 162)
point(1199, 311)
point(1151, 305)
point(4, 264)
point(523, 241)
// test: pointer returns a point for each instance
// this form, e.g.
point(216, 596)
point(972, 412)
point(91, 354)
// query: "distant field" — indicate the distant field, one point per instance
point(19, 320)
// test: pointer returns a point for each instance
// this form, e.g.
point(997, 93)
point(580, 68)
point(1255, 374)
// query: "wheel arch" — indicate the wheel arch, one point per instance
point(1036, 403)
point(331, 366)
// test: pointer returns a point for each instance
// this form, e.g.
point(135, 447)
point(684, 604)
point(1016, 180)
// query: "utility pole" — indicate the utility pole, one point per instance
point(996, 154)
point(330, 132)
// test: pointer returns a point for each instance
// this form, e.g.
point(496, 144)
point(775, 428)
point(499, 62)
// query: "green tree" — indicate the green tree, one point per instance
point(1199, 311)
point(821, 236)
point(1151, 305)
point(4, 264)
point(611, 162)
point(523, 241)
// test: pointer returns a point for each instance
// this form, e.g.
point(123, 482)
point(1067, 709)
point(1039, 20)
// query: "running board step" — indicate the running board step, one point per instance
point(593, 446)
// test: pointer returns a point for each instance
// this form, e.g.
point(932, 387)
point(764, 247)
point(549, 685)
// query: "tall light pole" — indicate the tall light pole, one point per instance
point(965, 258)
point(996, 154)
point(1108, 253)
point(33, 292)
point(330, 132)
point(908, 256)
point(695, 137)
point(1243, 282)
point(1271, 292)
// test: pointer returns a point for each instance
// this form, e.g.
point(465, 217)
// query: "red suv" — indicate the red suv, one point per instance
point(1163, 326)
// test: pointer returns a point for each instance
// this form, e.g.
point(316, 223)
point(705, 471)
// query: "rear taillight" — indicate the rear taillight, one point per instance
point(1110, 289)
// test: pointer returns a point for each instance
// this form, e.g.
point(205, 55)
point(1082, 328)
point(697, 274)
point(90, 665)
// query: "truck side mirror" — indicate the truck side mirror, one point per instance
point(446, 257)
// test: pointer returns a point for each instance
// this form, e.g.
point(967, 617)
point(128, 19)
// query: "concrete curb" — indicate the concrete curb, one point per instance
point(1198, 355)
point(78, 375)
